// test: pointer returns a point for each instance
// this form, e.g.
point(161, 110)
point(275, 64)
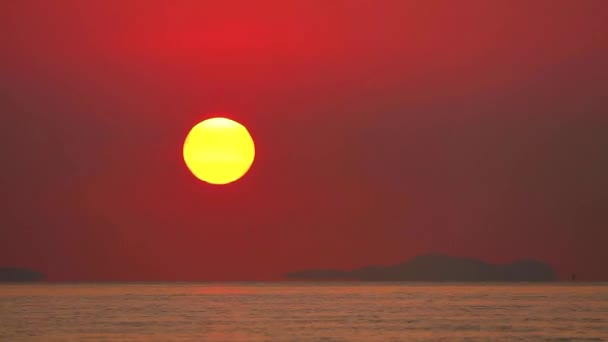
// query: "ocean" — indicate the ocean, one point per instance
point(304, 312)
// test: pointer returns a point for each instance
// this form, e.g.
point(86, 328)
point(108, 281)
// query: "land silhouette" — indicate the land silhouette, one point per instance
point(438, 268)
point(15, 274)
point(427, 268)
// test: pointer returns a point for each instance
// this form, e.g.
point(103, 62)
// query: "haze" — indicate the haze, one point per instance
point(384, 130)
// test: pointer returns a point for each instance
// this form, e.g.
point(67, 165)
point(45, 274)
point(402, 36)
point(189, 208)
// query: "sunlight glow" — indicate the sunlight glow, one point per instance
point(219, 151)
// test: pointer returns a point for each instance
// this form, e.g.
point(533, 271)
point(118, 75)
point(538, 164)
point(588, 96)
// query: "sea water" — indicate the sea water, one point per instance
point(304, 312)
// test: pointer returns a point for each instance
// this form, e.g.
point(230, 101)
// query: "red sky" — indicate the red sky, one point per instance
point(384, 129)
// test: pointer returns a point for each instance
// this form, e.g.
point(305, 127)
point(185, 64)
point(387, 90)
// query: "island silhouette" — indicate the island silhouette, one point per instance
point(16, 274)
point(438, 268)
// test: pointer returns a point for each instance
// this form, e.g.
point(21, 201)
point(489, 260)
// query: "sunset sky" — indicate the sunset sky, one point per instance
point(383, 130)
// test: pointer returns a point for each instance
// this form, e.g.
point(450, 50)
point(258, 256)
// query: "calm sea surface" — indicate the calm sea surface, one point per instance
point(303, 312)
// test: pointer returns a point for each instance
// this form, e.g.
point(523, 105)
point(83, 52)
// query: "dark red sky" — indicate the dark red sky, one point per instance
point(384, 129)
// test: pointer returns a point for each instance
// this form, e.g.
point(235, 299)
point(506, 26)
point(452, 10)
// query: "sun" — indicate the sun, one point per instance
point(219, 151)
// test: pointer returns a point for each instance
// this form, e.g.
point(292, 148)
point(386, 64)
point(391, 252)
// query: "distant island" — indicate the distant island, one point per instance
point(439, 268)
point(15, 274)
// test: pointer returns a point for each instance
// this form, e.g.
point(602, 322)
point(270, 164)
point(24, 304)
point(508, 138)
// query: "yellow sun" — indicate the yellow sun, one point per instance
point(219, 151)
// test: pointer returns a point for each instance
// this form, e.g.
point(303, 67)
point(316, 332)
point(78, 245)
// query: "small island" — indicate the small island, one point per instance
point(438, 268)
point(18, 275)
